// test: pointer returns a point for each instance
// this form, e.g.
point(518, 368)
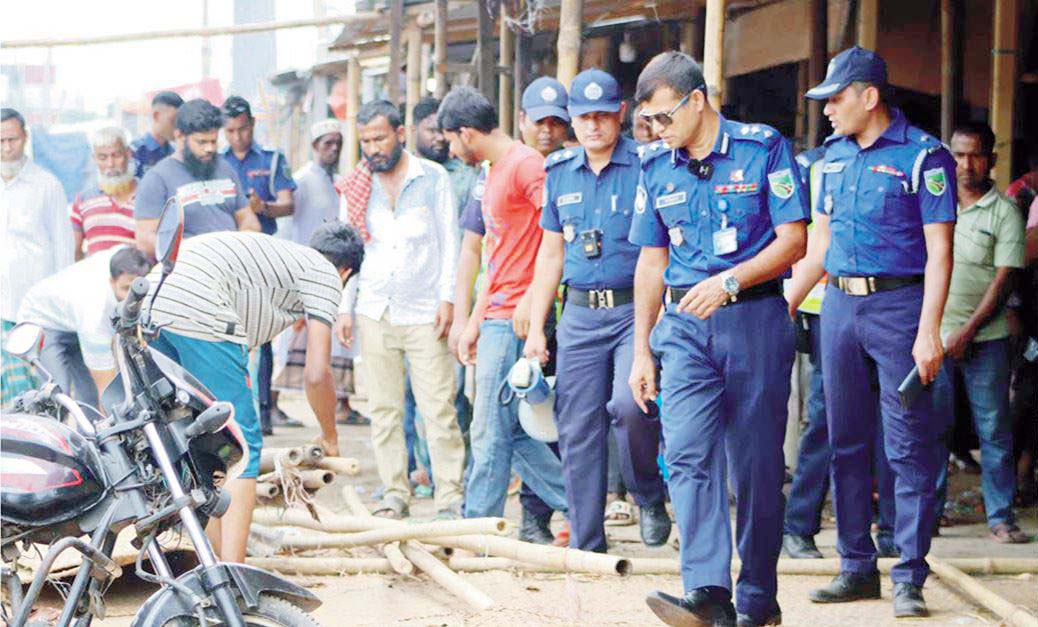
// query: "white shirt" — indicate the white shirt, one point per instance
point(410, 262)
point(36, 237)
point(316, 201)
point(78, 299)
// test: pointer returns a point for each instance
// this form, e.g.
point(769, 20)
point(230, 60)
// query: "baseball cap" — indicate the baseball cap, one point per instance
point(543, 98)
point(594, 90)
point(853, 64)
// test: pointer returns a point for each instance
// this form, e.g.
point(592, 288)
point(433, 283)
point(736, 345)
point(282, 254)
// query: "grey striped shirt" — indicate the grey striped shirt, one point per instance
point(244, 288)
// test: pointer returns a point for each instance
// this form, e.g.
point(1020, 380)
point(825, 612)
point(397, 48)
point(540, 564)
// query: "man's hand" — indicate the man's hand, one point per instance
point(444, 315)
point(329, 444)
point(458, 326)
point(256, 203)
point(957, 343)
point(643, 380)
point(536, 346)
point(521, 317)
point(344, 329)
point(928, 353)
point(704, 298)
point(467, 344)
point(299, 325)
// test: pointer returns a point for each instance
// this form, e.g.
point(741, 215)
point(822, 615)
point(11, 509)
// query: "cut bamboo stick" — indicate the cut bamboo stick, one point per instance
point(267, 490)
point(446, 577)
point(474, 526)
point(1010, 612)
point(316, 479)
point(571, 560)
point(322, 565)
point(831, 566)
point(289, 457)
point(312, 453)
point(272, 517)
point(469, 564)
point(391, 550)
point(340, 465)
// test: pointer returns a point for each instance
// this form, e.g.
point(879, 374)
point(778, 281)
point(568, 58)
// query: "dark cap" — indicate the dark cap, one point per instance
point(853, 64)
point(545, 98)
point(235, 106)
point(593, 90)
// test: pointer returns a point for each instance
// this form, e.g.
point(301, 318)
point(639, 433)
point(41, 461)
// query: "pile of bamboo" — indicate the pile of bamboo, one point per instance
point(300, 471)
point(432, 547)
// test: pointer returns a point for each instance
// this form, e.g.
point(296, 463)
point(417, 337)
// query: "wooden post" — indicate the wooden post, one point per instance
point(522, 47)
point(571, 14)
point(396, 25)
point(1003, 85)
point(818, 58)
point(507, 56)
point(868, 23)
point(352, 139)
point(484, 39)
point(440, 44)
point(950, 67)
point(800, 133)
point(414, 84)
point(713, 51)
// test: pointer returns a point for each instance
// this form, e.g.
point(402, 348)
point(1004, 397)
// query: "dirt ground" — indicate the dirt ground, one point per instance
point(548, 599)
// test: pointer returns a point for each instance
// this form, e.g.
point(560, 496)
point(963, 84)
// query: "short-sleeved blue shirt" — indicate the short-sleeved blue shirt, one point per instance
point(147, 152)
point(209, 205)
point(472, 216)
point(255, 173)
point(577, 200)
point(754, 186)
point(879, 198)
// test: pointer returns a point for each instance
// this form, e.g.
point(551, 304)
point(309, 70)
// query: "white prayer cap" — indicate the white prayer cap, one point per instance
point(331, 125)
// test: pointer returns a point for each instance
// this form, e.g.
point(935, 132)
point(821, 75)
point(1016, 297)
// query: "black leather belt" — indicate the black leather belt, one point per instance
point(762, 290)
point(866, 285)
point(599, 299)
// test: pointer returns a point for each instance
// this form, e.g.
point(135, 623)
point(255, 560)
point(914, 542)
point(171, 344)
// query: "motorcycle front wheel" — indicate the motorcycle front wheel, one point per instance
point(272, 612)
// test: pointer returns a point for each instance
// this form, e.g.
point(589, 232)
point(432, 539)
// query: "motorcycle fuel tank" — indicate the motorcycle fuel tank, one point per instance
point(49, 473)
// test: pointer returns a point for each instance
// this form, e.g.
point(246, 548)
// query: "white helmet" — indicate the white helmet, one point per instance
point(538, 420)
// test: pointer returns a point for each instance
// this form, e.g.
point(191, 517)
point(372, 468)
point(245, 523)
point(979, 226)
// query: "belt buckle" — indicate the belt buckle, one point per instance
point(855, 286)
point(600, 299)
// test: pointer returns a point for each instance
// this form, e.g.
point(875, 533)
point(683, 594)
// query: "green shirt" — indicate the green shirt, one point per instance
point(988, 235)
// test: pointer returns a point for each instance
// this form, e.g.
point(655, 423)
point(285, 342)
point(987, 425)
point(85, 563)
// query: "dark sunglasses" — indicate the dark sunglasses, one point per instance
point(666, 119)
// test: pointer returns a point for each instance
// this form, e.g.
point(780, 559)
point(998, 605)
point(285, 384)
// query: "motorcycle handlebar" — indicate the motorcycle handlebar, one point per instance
point(131, 307)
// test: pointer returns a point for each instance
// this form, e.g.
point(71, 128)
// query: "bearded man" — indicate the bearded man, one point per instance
point(102, 216)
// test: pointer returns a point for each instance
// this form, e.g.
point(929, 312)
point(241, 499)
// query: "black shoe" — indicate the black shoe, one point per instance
point(774, 617)
point(885, 546)
point(699, 608)
point(654, 523)
point(800, 547)
point(535, 530)
point(908, 601)
point(848, 587)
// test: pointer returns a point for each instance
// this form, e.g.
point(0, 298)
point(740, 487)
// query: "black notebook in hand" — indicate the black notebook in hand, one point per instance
point(910, 388)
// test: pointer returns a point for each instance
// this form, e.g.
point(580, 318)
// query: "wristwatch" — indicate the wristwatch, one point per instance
point(730, 285)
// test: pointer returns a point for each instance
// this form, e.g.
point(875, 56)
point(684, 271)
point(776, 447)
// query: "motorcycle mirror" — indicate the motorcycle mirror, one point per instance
point(211, 420)
point(25, 341)
point(169, 235)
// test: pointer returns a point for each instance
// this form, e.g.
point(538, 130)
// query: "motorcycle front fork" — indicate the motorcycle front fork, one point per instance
point(222, 593)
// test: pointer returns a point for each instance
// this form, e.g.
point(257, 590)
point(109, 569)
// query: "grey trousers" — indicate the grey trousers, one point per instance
point(64, 361)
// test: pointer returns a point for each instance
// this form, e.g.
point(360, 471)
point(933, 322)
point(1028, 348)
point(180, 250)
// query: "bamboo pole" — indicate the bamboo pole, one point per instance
point(818, 57)
point(831, 566)
point(469, 564)
point(519, 72)
point(950, 69)
point(351, 146)
point(1004, 85)
point(340, 465)
point(316, 479)
point(440, 43)
point(312, 453)
point(976, 592)
point(288, 456)
point(504, 90)
point(868, 23)
point(391, 550)
point(713, 51)
point(396, 25)
point(571, 15)
point(571, 560)
point(414, 84)
point(447, 578)
point(322, 565)
point(396, 533)
point(331, 523)
point(484, 47)
point(267, 490)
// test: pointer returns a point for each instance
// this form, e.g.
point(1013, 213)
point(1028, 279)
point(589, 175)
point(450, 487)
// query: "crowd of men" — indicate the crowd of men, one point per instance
point(666, 278)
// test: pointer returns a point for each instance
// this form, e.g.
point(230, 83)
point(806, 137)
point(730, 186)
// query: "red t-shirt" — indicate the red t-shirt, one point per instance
point(512, 201)
point(103, 221)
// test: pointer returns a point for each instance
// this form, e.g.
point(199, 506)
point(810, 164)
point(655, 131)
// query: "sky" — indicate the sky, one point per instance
point(101, 74)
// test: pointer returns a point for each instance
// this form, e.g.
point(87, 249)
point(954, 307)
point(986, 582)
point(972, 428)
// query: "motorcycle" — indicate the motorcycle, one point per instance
point(156, 459)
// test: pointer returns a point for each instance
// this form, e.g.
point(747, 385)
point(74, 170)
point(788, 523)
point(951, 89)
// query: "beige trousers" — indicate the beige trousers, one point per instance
point(383, 348)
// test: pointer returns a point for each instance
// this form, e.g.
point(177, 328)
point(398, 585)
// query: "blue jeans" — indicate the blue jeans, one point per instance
point(497, 437)
point(985, 375)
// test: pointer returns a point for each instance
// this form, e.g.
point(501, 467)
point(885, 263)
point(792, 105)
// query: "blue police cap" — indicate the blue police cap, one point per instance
point(545, 98)
point(593, 90)
point(853, 64)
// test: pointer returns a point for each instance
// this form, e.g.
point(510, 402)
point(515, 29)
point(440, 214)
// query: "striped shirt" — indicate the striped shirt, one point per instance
point(103, 221)
point(244, 288)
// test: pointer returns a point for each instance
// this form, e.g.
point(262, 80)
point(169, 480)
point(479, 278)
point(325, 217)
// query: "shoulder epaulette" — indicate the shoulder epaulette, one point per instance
point(559, 156)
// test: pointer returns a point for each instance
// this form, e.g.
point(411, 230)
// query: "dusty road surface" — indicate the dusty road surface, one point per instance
point(550, 599)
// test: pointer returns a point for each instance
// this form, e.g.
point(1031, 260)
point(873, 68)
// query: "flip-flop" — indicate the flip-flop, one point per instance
point(619, 513)
point(391, 507)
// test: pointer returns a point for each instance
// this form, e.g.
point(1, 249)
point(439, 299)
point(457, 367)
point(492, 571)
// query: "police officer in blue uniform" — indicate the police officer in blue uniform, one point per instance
point(885, 237)
point(266, 181)
point(588, 206)
point(157, 144)
point(720, 216)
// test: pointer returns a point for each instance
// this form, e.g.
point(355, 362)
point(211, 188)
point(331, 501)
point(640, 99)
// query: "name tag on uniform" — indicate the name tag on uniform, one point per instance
point(725, 241)
point(569, 199)
point(670, 200)
point(833, 168)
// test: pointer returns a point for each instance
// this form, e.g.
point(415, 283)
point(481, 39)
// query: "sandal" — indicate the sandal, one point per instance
point(619, 513)
point(392, 507)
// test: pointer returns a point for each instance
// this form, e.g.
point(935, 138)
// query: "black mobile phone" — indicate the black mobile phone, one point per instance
point(803, 334)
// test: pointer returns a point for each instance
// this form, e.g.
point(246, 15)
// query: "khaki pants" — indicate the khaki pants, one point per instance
point(383, 348)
